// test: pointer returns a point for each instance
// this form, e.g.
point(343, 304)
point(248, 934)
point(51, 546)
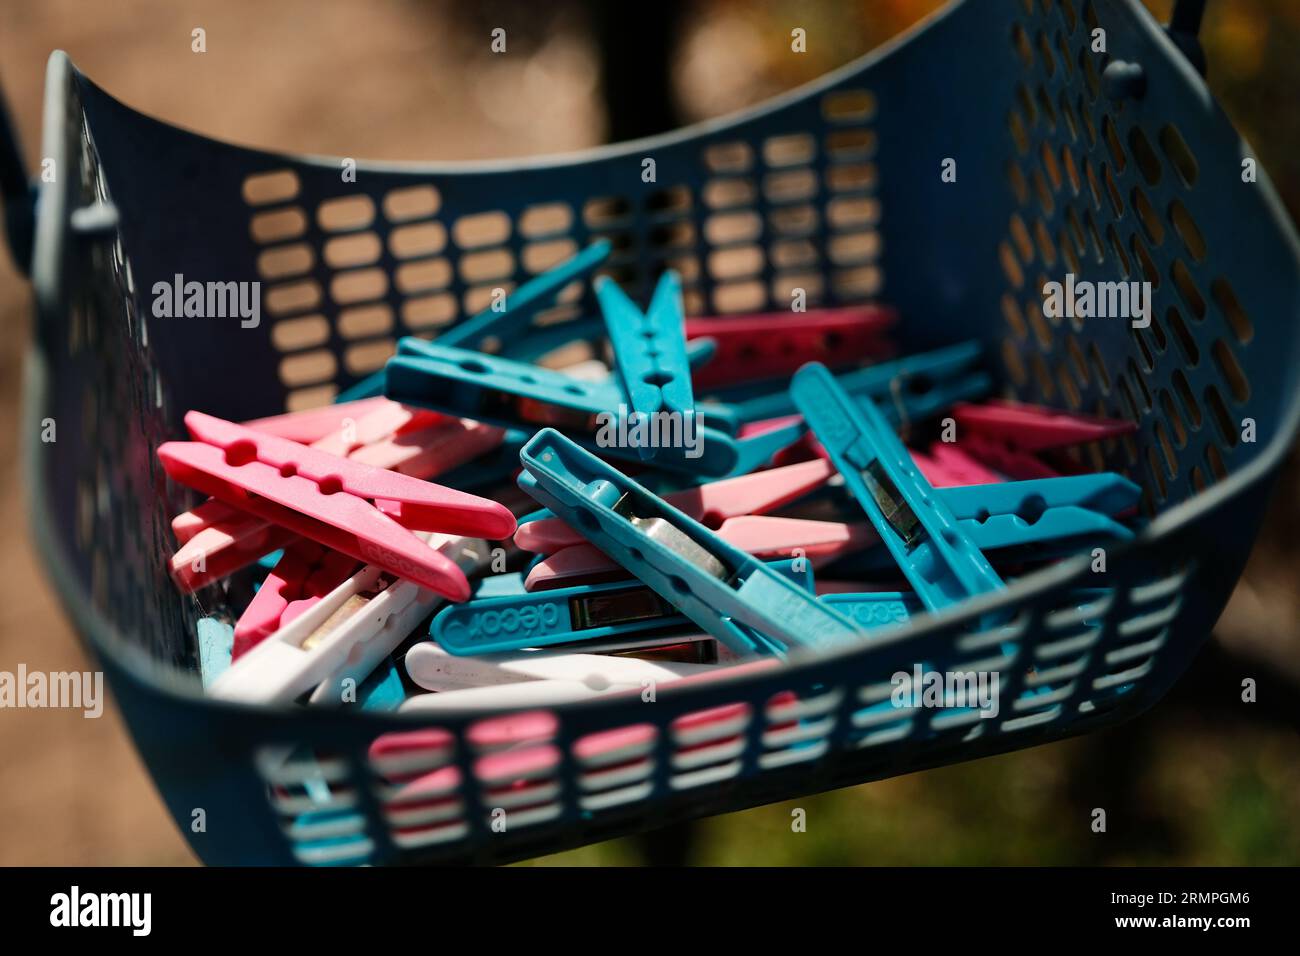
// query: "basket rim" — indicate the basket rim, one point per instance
point(107, 639)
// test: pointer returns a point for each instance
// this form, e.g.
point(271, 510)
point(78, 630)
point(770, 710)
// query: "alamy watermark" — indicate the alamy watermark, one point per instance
point(627, 429)
point(209, 300)
point(949, 689)
point(72, 690)
point(1082, 299)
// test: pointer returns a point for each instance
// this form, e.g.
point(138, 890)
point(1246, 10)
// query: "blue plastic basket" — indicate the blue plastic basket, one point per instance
point(1065, 162)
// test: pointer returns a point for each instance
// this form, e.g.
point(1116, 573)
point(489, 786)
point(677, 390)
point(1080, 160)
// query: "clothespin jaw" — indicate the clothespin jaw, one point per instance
point(710, 581)
point(710, 504)
point(362, 511)
point(304, 574)
point(510, 394)
point(342, 634)
point(929, 546)
point(649, 349)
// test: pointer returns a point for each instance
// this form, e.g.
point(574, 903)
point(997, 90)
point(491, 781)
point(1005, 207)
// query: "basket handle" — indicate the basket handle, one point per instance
point(17, 191)
point(1184, 25)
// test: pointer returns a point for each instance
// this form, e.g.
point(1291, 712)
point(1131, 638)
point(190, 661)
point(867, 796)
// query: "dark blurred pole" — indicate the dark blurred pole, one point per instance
point(635, 43)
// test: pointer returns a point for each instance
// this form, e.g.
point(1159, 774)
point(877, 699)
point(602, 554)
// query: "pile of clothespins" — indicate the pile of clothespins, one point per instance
point(409, 566)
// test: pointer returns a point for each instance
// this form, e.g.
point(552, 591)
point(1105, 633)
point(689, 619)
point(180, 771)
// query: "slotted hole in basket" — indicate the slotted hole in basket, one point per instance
point(1144, 155)
point(794, 221)
point(1219, 414)
point(1214, 458)
point(1089, 72)
point(1226, 299)
point(308, 368)
point(1145, 262)
point(1027, 104)
point(283, 261)
point(487, 266)
point(1010, 267)
point(540, 256)
point(1011, 312)
point(1185, 395)
point(1045, 107)
point(851, 177)
point(411, 202)
point(1020, 236)
point(365, 321)
point(1186, 286)
point(845, 145)
point(1018, 134)
point(736, 263)
point(1231, 371)
point(353, 250)
point(278, 225)
point(856, 283)
point(368, 356)
point(1016, 179)
point(1099, 367)
point(1148, 216)
point(1112, 190)
point(848, 106)
point(1183, 337)
point(1043, 193)
point(1094, 186)
point(279, 185)
point(425, 275)
point(359, 286)
point(1118, 248)
point(429, 311)
point(546, 220)
point(732, 227)
point(789, 149)
point(345, 213)
point(1071, 170)
point(293, 297)
point(1020, 43)
point(1179, 154)
point(1078, 364)
point(1045, 244)
point(1187, 230)
point(724, 194)
point(1066, 248)
point(1052, 168)
point(792, 185)
point(1044, 48)
point(1015, 367)
point(728, 158)
point(291, 335)
point(1174, 419)
point(417, 240)
point(481, 229)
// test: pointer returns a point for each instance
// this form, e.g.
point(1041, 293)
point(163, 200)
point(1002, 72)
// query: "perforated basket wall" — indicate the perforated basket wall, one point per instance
point(836, 189)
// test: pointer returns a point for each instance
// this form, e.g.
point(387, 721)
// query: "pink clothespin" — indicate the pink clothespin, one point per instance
point(1015, 464)
point(755, 347)
point(305, 573)
point(1033, 427)
point(947, 466)
point(761, 535)
point(314, 424)
point(217, 540)
point(357, 509)
point(712, 504)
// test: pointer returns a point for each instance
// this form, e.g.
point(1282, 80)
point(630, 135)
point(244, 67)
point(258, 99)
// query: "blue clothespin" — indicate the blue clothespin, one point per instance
point(708, 580)
point(928, 543)
point(514, 394)
point(649, 349)
point(908, 389)
point(515, 622)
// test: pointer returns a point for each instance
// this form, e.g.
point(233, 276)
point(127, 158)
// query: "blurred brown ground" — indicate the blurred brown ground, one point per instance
point(409, 80)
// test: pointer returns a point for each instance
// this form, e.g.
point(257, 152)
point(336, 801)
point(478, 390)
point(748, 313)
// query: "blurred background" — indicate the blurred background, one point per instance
point(1203, 779)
